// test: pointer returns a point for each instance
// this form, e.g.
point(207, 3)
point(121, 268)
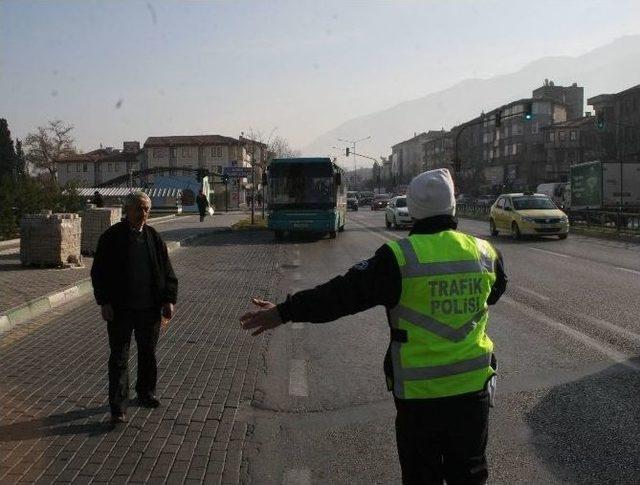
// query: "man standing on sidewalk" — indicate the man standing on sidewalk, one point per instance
point(436, 285)
point(203, 205)
point(135, 285)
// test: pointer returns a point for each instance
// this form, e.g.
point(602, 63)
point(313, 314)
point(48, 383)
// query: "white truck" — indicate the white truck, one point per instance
point(605, 185)
point(558, 191)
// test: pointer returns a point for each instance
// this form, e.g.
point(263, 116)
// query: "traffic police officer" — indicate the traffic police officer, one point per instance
point(436, 285)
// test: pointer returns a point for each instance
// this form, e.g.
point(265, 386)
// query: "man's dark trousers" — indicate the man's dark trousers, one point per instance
point(443, 439)
point(145, 325)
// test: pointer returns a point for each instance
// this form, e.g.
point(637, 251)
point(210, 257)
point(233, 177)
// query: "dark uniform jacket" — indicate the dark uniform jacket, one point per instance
point(111, 267)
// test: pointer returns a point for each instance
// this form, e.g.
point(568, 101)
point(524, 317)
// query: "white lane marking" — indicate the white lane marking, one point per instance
point(298, 378)
point(614, 355)
point(610, 326)
point(297, 325)
point(628, 270)
point(534, 293)
point(377, 234)
point(297, 476)
point(552, 252)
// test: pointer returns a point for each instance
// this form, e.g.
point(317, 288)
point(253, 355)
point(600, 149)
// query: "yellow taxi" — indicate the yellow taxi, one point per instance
point(527, 214)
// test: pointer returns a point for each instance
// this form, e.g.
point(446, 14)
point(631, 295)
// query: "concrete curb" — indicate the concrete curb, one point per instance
point(38, 306)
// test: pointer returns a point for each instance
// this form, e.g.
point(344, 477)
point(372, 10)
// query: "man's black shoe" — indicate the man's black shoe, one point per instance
point(149, 401)
point(118, 418)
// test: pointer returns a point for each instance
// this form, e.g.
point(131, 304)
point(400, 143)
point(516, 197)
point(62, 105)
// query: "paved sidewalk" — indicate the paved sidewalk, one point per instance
point(20, 285)
point(53, 413)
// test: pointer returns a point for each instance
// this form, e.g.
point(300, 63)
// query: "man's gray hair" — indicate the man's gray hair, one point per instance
point(133, 198)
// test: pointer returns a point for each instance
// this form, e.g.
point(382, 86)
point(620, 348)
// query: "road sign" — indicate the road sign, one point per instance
point(237, 171)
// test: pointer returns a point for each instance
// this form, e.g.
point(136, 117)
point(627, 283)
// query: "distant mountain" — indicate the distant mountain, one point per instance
point(607, 69)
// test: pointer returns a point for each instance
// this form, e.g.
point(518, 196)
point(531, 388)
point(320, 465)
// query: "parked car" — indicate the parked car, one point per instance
point(365, 198)
point(396, 213)
point(379, 202)
point(524, 214)
point(352, 203)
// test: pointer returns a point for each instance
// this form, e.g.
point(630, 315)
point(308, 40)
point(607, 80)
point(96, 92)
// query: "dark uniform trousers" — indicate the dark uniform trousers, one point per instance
point(145, 324)
point(443, 439)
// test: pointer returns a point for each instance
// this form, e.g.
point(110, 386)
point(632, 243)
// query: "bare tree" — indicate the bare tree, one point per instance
point(277, 146)
point(49, 144)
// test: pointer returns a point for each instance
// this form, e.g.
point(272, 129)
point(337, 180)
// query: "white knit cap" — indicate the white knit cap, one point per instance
point(431, 194)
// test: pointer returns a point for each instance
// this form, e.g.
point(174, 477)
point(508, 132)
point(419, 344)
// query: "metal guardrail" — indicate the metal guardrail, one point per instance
point(620, 221)
point(473, 209)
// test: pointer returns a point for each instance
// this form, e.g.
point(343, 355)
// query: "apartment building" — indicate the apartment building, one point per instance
point(98, 166)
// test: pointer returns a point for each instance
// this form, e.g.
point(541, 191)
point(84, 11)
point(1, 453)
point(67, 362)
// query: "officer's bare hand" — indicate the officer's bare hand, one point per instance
point(168, 310)
point(107, 313)
point(266, 318)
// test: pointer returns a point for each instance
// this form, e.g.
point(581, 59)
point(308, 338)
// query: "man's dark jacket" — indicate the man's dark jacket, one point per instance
point(111, 267)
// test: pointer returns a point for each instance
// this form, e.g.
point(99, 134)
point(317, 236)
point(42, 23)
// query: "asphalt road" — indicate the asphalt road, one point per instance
point(567, 336)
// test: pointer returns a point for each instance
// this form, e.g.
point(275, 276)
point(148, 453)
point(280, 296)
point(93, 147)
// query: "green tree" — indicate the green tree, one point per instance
point(21, 164)
point(8, 222)
point(7, 151)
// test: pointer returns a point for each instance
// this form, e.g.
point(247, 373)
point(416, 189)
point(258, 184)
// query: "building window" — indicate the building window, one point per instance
point(213, 151)
point(219, 151)
point(109, 167)
point(84, 167)
point(98, 167)
point(561, 135)
point(573, 135)
point(186, 152)
point(116, 166)
point(78, 166)
point(173, 152)
point(68, 167)
point(505, 150)
point(514, 149)
point(552, 136)
point(535, 128)
point(157, 153)
point(219, 168)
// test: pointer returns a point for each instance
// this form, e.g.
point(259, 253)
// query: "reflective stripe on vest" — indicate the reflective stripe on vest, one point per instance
point(469, 367)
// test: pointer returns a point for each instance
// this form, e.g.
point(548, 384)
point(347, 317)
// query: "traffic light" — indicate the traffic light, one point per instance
point(600, 120)
point(528, 111)
point(347, 151)
point(498, 117)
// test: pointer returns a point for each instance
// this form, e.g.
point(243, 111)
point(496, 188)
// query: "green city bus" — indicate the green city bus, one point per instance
point(306, 195)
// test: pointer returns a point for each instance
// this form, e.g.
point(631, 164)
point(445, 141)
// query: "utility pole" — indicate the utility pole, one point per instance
point(355, 166)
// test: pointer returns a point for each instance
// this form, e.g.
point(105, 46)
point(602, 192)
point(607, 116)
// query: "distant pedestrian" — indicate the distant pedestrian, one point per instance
point(135, 285)
point(259, 199)
point(97, 199)
point(203, 204)
point(436, 285)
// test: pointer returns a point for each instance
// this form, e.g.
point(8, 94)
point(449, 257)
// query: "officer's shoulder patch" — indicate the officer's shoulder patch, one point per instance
point(361, 266)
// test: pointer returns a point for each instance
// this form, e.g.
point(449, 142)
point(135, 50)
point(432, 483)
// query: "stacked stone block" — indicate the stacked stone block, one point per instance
point(94, 222)
point(51, 240)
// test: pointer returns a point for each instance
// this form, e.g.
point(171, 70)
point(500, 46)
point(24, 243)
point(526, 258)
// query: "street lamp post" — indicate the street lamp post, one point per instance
point(355, 167)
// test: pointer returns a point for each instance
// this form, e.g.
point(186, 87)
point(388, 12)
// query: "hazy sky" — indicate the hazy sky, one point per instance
point(128, 70)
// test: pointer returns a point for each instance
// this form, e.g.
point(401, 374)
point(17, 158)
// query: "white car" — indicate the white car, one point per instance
point(396, 213)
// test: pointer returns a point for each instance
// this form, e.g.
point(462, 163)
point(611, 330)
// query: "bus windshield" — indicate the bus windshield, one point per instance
point(301, 186)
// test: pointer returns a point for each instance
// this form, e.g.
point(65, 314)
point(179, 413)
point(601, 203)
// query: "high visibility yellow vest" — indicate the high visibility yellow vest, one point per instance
point(439, 343)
